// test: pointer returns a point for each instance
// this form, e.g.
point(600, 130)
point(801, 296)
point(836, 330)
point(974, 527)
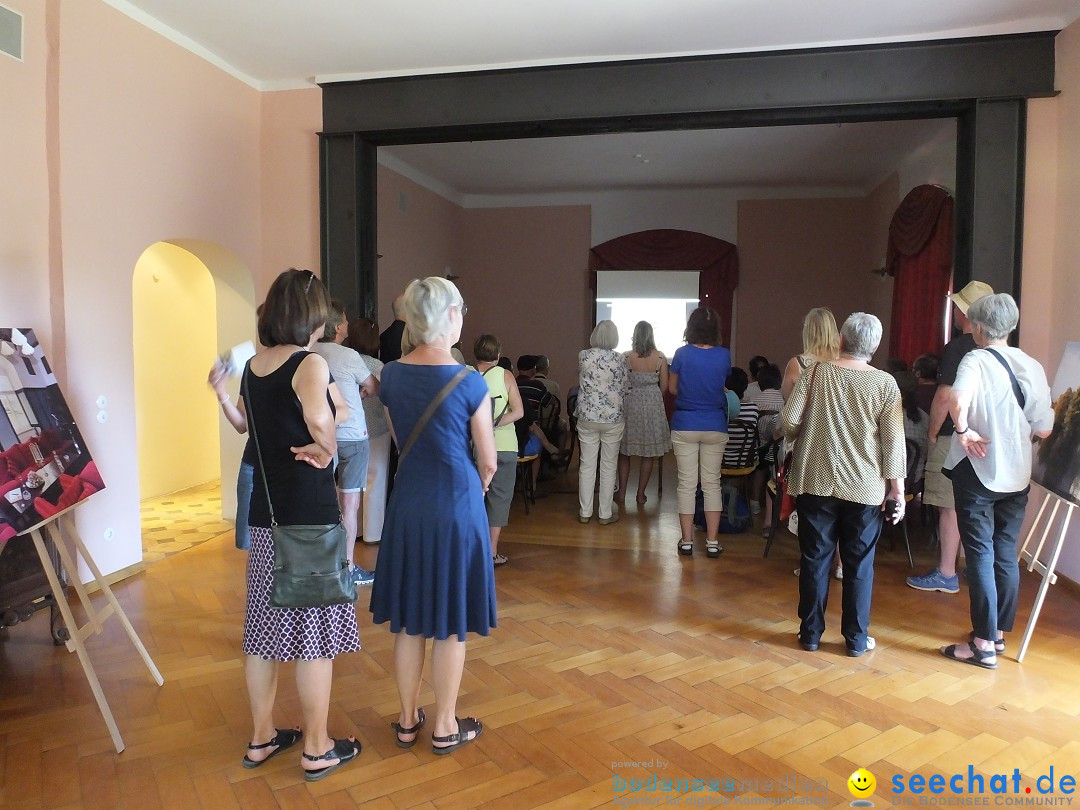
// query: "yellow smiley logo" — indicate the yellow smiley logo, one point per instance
point(862, 784)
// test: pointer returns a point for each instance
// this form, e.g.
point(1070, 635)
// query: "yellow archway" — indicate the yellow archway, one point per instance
point(191, 300)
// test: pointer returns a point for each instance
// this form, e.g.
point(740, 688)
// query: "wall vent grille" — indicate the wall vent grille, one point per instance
point(11, 33)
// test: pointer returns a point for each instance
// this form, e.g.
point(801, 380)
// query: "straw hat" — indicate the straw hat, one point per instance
point(972, 292)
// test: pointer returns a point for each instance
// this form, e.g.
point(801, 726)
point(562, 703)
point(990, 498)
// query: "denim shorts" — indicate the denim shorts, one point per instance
point(352, 458)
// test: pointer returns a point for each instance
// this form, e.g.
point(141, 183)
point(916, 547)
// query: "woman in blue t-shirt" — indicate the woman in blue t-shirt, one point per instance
point(699, 424)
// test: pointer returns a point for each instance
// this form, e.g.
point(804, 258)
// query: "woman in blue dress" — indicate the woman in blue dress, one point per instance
point(435, 578)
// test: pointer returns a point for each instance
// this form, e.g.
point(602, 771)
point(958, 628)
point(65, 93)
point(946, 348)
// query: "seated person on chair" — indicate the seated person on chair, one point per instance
point(769, 403)
point(538, 401)
point(756, 364)
point(540, 372)
point(743, 427)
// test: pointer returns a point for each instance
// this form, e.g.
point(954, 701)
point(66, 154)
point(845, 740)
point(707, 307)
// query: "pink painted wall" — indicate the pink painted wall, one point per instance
point(522, 271)
point(880, 205)
point(799, 254)
point(524, 275)
point(1051, 283)
point(418, 236)
point(289, 172)
point(24, 192)
point(155, 144)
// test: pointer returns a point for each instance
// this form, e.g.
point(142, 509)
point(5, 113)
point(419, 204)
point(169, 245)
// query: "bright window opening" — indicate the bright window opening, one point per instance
point(663, 298)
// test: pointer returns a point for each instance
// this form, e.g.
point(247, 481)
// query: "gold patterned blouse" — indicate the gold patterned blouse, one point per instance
point(850, 439)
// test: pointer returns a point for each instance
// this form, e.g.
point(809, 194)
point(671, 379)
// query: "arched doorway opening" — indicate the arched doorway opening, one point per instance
point(191, 300)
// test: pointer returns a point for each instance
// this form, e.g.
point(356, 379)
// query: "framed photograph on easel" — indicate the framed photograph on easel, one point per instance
point(1056, 466)
point(44, 464)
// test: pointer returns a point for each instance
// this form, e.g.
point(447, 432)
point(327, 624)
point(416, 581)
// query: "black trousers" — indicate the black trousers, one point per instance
point(823, 523)
point(989, 525)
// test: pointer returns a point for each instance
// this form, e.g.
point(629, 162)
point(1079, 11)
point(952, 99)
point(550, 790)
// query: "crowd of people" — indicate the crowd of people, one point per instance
point(417, 455)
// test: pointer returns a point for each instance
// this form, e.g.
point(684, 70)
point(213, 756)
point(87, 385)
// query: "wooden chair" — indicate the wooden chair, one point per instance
point(772, 486)
point(740, 456)
point(524, 480)
point(571, 413)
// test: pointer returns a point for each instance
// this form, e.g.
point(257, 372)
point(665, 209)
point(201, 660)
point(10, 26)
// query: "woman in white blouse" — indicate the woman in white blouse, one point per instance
point(603, 378)
point(1000, 400)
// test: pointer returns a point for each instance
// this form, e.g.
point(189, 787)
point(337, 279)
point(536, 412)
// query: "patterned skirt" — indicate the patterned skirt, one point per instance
point(287, 634)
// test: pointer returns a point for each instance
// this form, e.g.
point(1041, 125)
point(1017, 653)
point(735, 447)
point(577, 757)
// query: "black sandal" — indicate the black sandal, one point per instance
point(344, 751)
point(977, 659)
point(686, 548)
point(999, 645)
point(399, 730)
point(283, 738)
point(465, 725)
point(713, 549)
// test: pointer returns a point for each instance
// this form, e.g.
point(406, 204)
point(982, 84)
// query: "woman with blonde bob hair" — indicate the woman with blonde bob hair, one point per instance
point(435, 578)
point(602, 381)
point(821, 343)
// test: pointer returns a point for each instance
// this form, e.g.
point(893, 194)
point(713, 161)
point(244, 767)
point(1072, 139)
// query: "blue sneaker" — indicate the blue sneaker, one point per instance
point(935, 581)
point(361, 577)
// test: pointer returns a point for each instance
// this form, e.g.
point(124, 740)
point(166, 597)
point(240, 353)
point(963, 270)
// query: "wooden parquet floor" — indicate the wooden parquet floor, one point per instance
point(614, 660)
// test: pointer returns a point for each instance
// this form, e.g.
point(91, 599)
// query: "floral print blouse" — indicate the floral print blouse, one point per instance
point(603, 378)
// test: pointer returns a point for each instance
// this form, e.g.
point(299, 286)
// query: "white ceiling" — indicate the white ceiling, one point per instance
point(852, 157)
point(279, 44)
point(286, 43)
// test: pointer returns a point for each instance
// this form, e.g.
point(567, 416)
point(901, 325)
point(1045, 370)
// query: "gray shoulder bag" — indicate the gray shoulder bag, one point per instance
point(311, 566)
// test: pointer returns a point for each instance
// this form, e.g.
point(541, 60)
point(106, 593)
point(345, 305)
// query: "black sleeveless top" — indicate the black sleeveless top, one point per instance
point(300, 493)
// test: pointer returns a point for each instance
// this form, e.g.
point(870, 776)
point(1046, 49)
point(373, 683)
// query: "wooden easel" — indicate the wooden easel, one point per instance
point(1046, 570)
point(65, 533)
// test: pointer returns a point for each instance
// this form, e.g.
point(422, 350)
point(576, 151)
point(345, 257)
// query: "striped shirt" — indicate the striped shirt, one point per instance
point(850, 440)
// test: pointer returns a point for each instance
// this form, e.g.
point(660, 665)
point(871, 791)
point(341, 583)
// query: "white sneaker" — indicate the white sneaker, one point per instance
point(839, 571)
point(871, 643)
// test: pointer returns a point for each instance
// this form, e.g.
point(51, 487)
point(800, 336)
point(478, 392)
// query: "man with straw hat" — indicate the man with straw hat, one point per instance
point(937, 489)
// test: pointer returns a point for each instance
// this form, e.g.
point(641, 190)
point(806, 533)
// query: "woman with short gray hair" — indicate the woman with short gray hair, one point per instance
point(861, 335)
point(999, 402)
point(849, 456)
point(603, 377)
point(436, 578)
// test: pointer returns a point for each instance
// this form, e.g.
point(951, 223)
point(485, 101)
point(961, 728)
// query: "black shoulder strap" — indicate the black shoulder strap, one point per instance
point(506, 406)
point(1017, 392)
point(431, 408)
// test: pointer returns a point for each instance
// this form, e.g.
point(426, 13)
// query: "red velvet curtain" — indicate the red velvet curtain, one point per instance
point(716, 261)
point(920, 256)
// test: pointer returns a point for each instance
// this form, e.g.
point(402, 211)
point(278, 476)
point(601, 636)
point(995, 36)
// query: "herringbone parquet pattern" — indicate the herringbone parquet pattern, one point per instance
point(614, 660)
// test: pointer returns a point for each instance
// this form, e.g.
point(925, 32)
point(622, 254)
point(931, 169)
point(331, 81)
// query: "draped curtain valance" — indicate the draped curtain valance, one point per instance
point(716, 261)
point(920, 256)
point(915, 222)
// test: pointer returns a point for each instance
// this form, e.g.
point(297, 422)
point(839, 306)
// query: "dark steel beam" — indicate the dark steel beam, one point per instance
point(997, 226)
point(349, 225)
point(944, 70)
point(982, 82)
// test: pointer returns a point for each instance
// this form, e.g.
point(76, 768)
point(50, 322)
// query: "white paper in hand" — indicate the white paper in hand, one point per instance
point(237, 357)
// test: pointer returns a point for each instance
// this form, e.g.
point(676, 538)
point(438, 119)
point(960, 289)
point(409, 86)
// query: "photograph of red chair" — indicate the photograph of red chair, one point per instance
point(44, 464)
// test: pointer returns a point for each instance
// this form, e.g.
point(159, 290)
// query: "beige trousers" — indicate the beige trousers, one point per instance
point(699, 455)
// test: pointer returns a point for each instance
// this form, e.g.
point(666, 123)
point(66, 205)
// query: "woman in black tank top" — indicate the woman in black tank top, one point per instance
point(290, 412)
